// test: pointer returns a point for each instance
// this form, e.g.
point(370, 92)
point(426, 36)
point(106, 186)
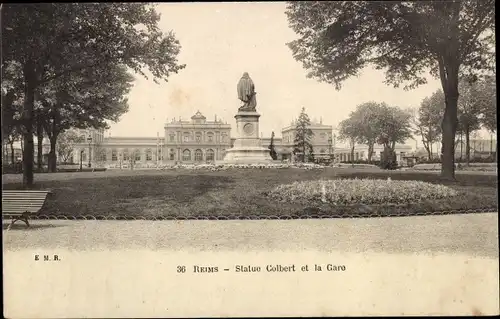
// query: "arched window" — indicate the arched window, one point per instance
point(172, 154)
point(149, 155)
point(186, 155)
point(210, 155)
point(137, 155)
point(322, 151)
point(83, 156)
point(198, 155)
point(187, 136)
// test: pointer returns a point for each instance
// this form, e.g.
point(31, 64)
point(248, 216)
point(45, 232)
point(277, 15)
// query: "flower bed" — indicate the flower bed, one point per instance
point(221, 167)
point(360, 191)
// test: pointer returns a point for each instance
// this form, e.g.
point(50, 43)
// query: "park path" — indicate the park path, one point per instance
point(428, 265)
point(473, 234)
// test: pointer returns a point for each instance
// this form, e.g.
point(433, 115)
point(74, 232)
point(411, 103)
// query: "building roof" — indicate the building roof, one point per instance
point(198, 116)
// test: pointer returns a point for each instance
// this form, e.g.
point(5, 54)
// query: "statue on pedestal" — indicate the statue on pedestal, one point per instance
point(246, 93)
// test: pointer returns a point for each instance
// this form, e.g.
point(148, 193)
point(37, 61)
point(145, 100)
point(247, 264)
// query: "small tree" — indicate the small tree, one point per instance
point(348, 131)
point(272, 149)
point(489, 106)
point(469, 112)
point(393, 125)
point(303, 135)
point(66, 144)
point(428, 120)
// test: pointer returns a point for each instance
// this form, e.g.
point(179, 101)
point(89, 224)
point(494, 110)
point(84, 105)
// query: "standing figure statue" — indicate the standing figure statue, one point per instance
point(246, 93)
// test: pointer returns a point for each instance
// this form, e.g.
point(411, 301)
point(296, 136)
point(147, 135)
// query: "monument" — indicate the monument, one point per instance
point(247, 147)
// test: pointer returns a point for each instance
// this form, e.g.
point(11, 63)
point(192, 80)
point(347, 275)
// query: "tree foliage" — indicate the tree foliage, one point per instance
point(52, 41)
point(66, 144)
point(338, 39)
point(303, 135)
point(428, 121)
point(488, 103)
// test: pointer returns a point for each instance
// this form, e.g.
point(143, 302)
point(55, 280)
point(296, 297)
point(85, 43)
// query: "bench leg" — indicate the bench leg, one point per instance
point(22, 218)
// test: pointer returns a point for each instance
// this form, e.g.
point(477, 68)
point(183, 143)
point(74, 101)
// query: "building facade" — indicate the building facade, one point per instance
point(201, 141)
point(197, 140)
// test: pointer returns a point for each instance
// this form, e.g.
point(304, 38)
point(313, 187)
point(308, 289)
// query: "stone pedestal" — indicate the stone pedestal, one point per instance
point(247, 147)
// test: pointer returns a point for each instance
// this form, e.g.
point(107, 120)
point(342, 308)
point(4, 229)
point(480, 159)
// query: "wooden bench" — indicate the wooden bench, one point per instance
point(20, 204)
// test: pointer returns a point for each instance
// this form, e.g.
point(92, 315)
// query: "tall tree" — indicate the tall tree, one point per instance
point(428, 121)
point(487, 87)
point(272, 148)
point(303, 135)
point(449, 38)
point(50, 40)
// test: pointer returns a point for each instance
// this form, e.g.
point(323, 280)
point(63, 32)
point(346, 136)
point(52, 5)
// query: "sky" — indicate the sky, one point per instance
point(219, 42)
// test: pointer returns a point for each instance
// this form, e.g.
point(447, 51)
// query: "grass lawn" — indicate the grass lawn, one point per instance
point(234, 193)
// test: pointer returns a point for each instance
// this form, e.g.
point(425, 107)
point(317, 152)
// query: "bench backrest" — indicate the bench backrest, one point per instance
point(18, 202)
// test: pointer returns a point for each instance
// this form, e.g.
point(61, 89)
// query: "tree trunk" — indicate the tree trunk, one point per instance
point(370, 152)
point(429, 152)
point(12, 157)
point(39, 135)
point(303, 151)
point(352, 154)
point(52, 154)
point(29, 101)
point(449, 126)
point(491, 145)
point(467, 146)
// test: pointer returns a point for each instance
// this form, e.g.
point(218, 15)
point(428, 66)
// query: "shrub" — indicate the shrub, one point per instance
point(360, 191)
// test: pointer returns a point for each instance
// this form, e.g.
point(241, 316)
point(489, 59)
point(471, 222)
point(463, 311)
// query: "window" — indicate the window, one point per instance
point(83, 156)
point(322, 151)
point(172, 154)
point(172, 137)
point(198, 155)
point(186, 155)
point(323, 136)
point(224, 137)
point(210, 155)
point(114, 155)
point(186, 137)
point(149, 155)
point(210, 137)
point(198, 137)
point(160, 154)
point(223, 153)
point(125, 155)
point(137, 155)
point(102, 155)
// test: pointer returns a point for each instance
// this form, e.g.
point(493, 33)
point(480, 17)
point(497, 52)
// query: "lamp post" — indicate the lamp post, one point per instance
point(330, 148)
point(89, 139)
